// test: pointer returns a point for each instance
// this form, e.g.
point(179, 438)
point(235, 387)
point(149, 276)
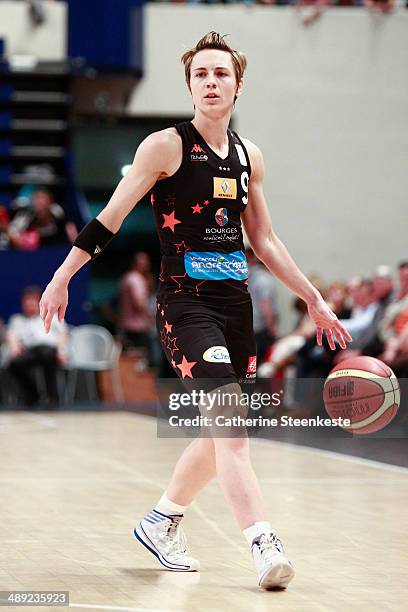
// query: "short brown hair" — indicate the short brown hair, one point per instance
point(213, 40)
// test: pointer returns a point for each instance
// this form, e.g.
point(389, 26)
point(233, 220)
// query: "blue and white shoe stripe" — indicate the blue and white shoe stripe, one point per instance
point(150, 520)
point(154, 516)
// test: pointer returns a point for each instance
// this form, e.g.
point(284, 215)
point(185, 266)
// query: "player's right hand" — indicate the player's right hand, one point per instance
point(326, 321)
point(53, 300)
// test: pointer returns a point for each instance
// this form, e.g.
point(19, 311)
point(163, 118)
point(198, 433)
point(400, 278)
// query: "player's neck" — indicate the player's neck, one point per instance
point(213, 130)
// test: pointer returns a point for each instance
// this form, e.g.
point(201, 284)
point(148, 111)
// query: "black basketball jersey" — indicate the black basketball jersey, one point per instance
point(197, 212)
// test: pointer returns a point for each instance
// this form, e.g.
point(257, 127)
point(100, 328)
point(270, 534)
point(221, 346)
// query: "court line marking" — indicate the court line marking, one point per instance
point(48, 422)
point(312, 450)
point(121, 608)
point(307, 480)
point(45, 421)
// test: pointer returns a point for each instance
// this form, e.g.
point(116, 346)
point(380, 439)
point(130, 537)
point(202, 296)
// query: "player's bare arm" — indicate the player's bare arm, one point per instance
point(273, 253)
point(158, 156)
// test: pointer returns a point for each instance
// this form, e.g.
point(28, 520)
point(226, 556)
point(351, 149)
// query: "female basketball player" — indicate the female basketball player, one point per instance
point(204, 181)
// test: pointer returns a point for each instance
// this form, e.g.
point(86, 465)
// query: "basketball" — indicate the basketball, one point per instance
point(365, 391)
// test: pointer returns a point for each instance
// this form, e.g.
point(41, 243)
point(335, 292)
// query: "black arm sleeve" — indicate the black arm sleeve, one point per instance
point(93, 238)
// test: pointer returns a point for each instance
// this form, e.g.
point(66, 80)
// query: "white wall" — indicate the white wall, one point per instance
point(46, 42)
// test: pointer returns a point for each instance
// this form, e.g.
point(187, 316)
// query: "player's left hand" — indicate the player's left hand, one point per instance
point(326, 321)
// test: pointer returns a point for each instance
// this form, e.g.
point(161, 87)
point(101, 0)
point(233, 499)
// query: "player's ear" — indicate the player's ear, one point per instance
point(239, 89)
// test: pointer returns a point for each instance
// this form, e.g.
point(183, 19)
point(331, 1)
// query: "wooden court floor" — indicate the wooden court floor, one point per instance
point(73, 486)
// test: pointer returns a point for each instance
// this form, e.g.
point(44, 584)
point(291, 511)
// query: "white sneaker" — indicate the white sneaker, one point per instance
point(274, 568)
point(163, 536)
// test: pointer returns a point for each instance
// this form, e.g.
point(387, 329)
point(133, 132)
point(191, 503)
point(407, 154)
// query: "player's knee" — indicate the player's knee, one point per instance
point(238, 446)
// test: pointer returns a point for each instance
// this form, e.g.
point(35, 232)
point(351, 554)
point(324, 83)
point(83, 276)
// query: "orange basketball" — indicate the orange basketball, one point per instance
point(365, 391)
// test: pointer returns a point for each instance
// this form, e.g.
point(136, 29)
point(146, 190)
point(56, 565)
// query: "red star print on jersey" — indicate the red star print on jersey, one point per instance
point(173, 278)
point(172, 346)
point(162, 312)
point(185, 367)
point(173, 363)
point(196, 209)
point(206, 202)
point(182, 247)
point(199, 285)
point(170, 221)
point(168, 327)
point(163, 337)
point(152, 199)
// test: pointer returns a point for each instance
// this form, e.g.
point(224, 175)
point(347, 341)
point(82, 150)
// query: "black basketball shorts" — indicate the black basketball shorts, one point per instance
point(203, 339)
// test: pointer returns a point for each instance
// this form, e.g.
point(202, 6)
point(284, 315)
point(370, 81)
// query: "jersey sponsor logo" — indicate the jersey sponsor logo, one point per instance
point(217, 354)
point(251, 369)
point(198, 158)
point(221, 216)
point(197, 154)
point(216, 234)
point(197, 149)
point(212, 265)
point(225, 188)
point(221, 230)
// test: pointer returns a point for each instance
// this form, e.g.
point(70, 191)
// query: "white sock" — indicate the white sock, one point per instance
point(166, 506)
point(255, 530)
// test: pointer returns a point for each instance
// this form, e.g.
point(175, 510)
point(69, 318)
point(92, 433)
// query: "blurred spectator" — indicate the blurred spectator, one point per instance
point(361, 324)
point(393, 326)
point(398, 359)
point(262, 288)
point(337, 299)
point(383, 285)
point(107, 314)
point(383, 7)
point(2, 336)
point(41, 224)
point(384, 293)
point(29, 347)
point(311, 10)
point(4, 228)
point(135, 305)
point(403, 280)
